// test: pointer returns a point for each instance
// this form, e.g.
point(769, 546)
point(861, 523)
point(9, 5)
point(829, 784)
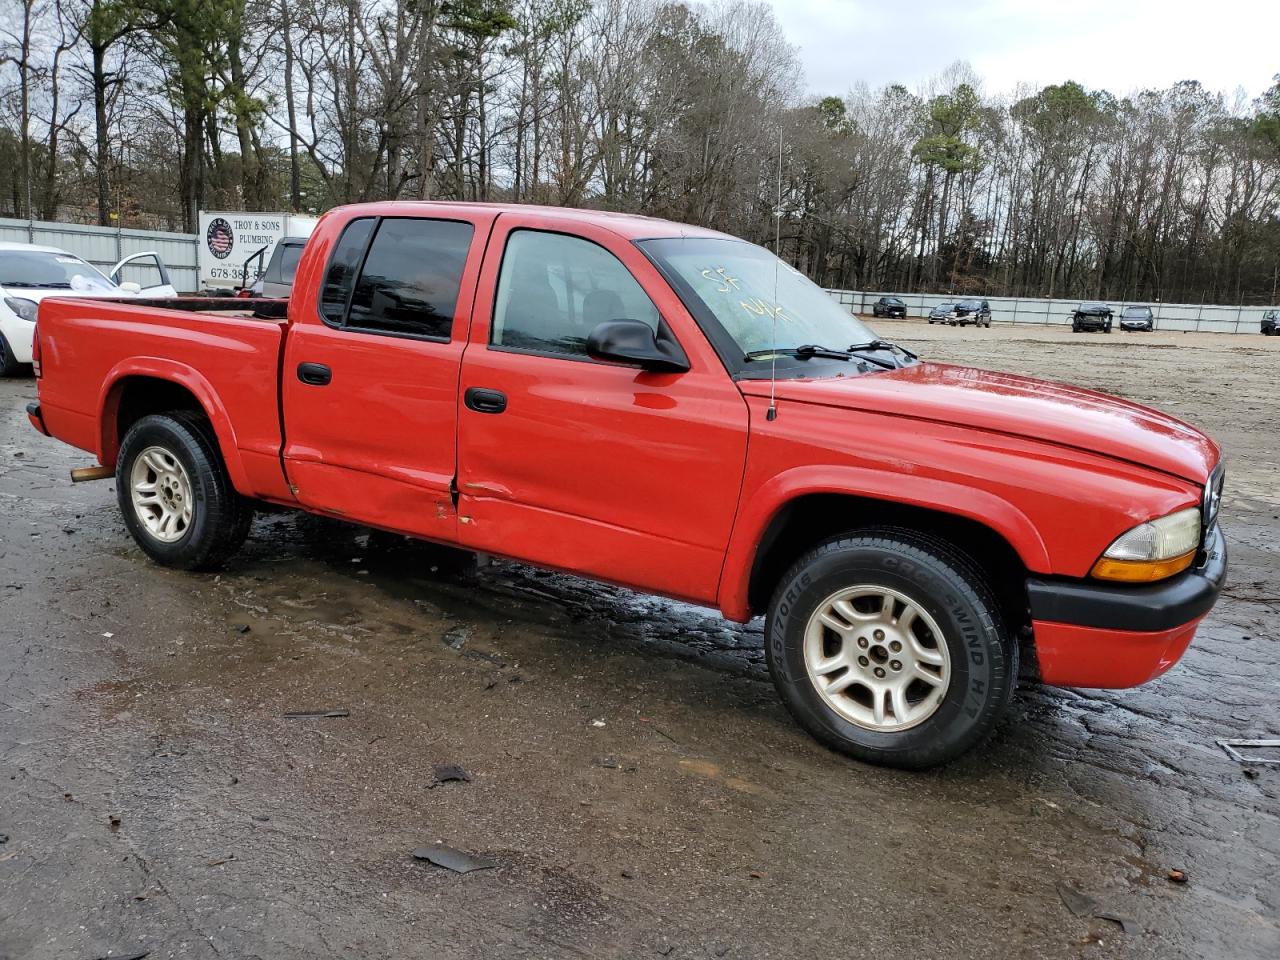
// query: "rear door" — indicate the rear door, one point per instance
point(370, 376)
point(597, 468)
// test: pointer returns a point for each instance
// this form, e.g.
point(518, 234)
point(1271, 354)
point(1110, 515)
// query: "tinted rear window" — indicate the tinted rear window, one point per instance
point(343, 267)
point(410, 279)
point(289, 257)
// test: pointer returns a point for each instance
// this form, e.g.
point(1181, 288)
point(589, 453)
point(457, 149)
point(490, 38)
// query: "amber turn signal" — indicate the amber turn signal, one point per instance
point(1141, 571)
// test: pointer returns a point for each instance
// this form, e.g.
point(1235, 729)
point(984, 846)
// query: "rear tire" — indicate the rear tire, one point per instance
point(175, 495)
point(832, 628)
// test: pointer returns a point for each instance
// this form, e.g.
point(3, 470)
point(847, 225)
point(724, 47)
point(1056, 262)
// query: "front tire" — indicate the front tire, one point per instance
point(175, 495)
point(9, 367)
point(888, 645)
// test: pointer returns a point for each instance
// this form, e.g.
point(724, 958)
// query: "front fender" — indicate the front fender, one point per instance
point(941, 495)
point(185, 376)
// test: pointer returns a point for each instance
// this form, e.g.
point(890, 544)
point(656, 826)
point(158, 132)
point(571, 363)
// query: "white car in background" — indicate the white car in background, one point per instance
point(29, 273)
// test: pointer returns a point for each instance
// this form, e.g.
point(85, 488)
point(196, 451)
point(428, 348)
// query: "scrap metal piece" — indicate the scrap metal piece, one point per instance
point(1230, 747)
point(449, 773)
point(1083, 905)
point(451, 859)
point(299, 714)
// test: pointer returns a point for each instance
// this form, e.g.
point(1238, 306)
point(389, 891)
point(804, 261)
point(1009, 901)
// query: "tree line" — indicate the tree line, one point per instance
point(143, 112)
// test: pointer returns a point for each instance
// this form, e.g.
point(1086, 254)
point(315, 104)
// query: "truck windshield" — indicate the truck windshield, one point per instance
point(42, 270)
point(759, 301)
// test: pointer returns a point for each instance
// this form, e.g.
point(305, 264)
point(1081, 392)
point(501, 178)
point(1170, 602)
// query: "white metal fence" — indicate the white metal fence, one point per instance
point(1168, 316)
point(106, 246)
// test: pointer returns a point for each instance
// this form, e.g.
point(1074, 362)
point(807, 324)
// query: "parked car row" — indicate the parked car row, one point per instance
point(1089, 316)
point(962, 312)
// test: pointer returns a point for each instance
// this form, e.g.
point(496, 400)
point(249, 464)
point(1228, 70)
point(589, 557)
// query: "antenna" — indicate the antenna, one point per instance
point(773, 309)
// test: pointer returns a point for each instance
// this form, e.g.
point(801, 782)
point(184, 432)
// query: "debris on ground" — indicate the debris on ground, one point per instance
point(597, 723)
point(301, 714)
point(486, 657)
point(1177, 876)
point(221, 861)
point(113, 822)
point(448, 773)
point(4, 838)
point(1234, 748)
point(125, 956)
point(455, 638)
point(451, 859)
point(1083, 905)
point(242, 628)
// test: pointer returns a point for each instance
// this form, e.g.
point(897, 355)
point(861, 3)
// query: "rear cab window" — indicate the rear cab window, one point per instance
point(397, 276)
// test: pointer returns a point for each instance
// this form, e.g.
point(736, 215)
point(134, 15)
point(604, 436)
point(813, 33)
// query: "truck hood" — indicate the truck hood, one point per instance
point(1021, 406)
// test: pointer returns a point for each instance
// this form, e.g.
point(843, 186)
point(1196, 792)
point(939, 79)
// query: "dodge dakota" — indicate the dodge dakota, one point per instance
point(677, 411)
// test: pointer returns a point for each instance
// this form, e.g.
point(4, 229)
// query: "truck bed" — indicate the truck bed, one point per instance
point(224, 351)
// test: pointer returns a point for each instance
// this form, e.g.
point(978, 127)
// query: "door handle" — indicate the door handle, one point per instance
point(484, 400)
point(316, 374)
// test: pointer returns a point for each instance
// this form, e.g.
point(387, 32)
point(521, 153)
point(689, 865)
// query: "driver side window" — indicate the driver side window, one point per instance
point(553, 290)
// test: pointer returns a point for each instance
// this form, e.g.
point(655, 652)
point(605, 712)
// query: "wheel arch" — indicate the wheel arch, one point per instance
point(143, 386)
point(790, 516)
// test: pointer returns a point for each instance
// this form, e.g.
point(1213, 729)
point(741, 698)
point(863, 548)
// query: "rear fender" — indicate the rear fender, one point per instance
point(942, 496)
point(183, 375)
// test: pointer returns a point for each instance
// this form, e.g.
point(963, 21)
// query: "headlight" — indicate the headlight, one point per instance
point(24, 308)
point(1153, 550)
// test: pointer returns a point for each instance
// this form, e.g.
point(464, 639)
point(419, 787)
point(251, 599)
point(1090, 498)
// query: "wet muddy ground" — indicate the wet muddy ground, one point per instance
point(634, 781)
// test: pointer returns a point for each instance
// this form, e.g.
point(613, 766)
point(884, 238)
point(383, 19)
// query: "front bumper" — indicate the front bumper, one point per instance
point(1135, 325)
point(1102, 635)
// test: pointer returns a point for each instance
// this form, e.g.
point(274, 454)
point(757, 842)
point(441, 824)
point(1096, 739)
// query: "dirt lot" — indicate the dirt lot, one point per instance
point(633, 778)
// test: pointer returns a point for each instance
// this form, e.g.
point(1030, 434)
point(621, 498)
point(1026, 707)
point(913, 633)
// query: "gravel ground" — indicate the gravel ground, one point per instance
point(634, 781)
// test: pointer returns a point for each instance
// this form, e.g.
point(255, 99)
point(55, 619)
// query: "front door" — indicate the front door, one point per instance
point(370, 383)
point(592, 467)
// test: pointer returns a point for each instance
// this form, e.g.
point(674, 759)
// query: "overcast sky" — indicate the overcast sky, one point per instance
point(1117, 45)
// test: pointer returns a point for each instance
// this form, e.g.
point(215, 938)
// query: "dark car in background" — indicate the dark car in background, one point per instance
point(977, 312)
point(1270, 322)
point(1092, 316)
point(943, 313)
point(276, 280)
point(1137, 318)
point(889, 307)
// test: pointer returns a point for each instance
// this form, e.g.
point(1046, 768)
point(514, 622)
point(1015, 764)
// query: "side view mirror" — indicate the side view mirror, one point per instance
point(632, 341)
point(129, 286)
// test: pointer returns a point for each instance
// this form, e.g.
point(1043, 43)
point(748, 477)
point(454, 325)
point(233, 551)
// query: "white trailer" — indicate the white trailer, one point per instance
point(233, 246)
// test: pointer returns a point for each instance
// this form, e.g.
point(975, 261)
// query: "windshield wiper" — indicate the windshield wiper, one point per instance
point(881, 345)
point(805, 351)
point(36, 286)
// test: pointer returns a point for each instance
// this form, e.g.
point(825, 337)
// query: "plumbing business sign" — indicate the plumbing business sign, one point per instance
point(228, 239)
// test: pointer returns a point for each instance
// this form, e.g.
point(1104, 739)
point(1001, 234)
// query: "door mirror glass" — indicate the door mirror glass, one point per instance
point(633, 341)
point(128, 286)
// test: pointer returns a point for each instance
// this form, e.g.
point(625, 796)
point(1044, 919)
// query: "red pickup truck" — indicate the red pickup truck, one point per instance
point(677, 411)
